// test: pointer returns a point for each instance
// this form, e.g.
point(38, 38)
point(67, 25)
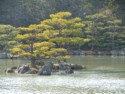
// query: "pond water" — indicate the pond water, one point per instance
point(104, 75)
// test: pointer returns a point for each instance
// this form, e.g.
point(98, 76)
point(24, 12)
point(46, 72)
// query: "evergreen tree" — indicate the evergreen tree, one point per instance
point(65, 31)
point(7, 37)
point(103, 28)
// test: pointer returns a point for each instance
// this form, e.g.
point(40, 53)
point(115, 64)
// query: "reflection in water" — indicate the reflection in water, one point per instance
point(104, 75)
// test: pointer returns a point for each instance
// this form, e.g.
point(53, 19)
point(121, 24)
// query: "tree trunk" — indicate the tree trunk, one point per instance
point(32, 62)
point(32, 57)
point(113, 39)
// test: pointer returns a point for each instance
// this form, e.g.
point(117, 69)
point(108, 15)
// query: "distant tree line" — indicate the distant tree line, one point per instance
point(102, 22)
point(26, 12)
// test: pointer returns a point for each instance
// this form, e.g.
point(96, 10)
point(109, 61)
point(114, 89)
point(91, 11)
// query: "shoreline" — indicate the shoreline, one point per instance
point(121, 52)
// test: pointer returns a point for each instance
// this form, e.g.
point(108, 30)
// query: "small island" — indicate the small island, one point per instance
point(48, 40)
point(55, 39)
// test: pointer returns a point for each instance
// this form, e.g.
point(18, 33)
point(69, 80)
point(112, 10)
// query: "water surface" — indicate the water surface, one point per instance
point(104, 75)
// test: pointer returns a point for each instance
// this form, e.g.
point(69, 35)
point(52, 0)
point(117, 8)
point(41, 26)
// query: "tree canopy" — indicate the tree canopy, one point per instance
point(47, 39)
point(7, 36)
point(103, 28)
point(64, 30)
point(68, 24)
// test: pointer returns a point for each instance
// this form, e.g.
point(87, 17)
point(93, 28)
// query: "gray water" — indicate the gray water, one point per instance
point(104, 75)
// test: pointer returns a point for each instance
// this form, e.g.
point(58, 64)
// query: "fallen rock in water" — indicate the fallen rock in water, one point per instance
point(56, 66)
point(23, 69)
point(9, 70)
point(69, 70)
point(77, 67)
point(46, 69)
point(73, 66)
point(64, 66)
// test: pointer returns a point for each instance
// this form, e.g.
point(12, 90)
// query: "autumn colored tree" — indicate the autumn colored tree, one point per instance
point(48, 39)
point(34, 44)
point(64, 30)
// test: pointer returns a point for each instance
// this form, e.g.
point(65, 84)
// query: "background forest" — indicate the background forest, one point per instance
point(103, 20)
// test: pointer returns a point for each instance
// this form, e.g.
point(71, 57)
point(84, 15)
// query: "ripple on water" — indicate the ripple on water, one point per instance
point(65, 84)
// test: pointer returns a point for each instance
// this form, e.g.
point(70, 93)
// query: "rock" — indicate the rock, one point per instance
point(77, 66)
point(69, 70)
point(9, 70)
point(46, 69)
point(55, 66)
point(66, 66)
point(63, 65)
point(23, 69)
point(50, 64)
point(18, 67)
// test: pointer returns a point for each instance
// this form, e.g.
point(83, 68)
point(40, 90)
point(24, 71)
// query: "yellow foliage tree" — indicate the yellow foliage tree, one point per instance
point(33, 43)
point(65, 31)
point(45, 39)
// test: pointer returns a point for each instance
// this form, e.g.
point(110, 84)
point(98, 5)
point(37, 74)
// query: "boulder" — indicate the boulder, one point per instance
point(46, 69)
point(66, 66)
point(69, 70)
point(9, 70)
point(77, 66)
point(55, 66)
point(63, 66)
point(18, 67)
point(23, 69)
